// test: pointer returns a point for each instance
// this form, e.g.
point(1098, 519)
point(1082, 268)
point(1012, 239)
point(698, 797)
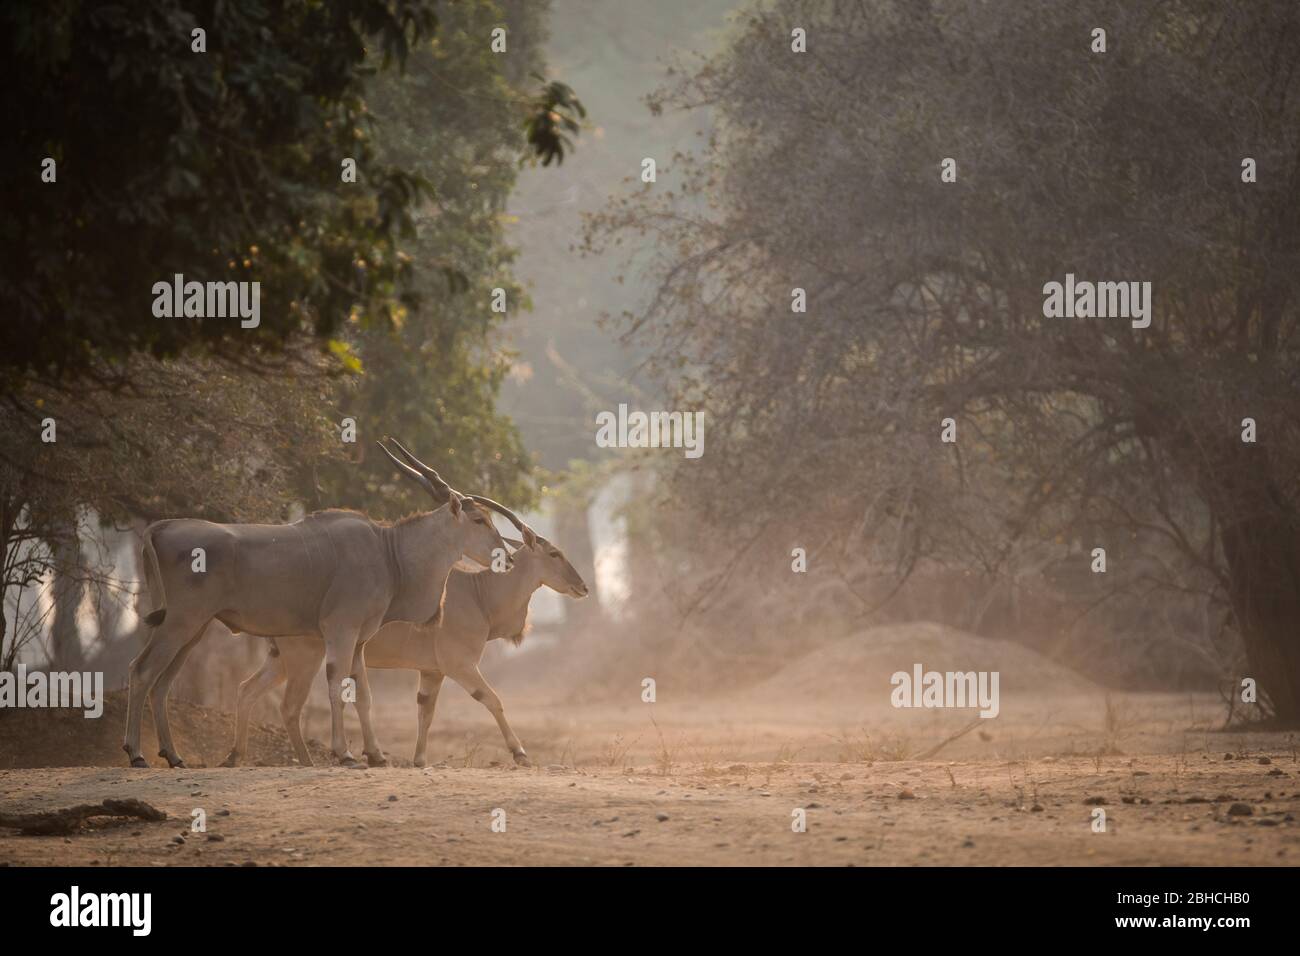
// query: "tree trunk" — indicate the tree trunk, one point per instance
point(1263, 556)
point(573, 532)
point(69, 589)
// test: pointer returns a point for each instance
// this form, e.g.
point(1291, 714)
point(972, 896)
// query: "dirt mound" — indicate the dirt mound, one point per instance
point(57, 737)
point(857, 669)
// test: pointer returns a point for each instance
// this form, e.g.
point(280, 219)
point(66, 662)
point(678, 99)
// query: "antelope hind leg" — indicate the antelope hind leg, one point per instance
point(251, 691)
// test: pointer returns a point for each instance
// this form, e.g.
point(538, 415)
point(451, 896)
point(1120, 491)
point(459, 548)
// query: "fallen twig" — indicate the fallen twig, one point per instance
point(943, 743)
point(70, 819)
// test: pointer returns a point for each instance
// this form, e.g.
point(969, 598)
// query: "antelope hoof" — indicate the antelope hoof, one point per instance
point(377, 760)
point(232, 760)
point(350, 762)
point(522, 760)
point(140, 763)
point(173, 761)
point(418, 762)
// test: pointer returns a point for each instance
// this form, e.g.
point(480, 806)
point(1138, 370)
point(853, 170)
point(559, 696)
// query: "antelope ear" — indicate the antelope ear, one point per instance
point(530, 538)
point(456, 504)
point(512, 542)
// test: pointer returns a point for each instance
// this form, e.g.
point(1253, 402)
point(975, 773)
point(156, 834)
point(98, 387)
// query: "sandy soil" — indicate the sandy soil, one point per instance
point(1160, 810)
point(691, 782)
point(681, 799)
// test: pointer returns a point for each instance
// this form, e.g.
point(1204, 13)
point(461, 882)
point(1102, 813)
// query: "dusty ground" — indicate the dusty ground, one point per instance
point(694, 782)
point(680, 799)
point(896, 813)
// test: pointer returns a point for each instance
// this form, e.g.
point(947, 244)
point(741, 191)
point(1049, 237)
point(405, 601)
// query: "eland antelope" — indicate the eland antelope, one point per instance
point(336, 576)
point(479, 608)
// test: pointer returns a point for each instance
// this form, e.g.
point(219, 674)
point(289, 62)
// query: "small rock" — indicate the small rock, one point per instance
point(661, 817)
point(178, 840)
point(392, 798)
point(906, 795)
point(1240, 810)
point(216, 838)
point(1094, 801)
point(1264, 760)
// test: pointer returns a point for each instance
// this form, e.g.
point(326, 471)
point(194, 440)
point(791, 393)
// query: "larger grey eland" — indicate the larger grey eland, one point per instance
point(336, 576)
point(479, 608)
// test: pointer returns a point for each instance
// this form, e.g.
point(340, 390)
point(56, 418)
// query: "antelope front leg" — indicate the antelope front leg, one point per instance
point(482, 692)
point(426, 700)
point(340, 647)
point(374, 755)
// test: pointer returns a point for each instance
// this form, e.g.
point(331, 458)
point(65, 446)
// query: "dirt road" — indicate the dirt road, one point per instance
point(1159, 810)
point(693, 779)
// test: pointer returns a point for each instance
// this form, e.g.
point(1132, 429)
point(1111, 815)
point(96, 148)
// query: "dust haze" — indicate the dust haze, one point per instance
point(958, 579)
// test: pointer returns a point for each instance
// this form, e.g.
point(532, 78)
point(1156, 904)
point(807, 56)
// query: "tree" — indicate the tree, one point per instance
point(457, 119)
point(206, 140)
point(926, 298)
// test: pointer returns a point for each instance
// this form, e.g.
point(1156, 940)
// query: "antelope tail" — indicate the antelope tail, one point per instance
point(155, 581)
